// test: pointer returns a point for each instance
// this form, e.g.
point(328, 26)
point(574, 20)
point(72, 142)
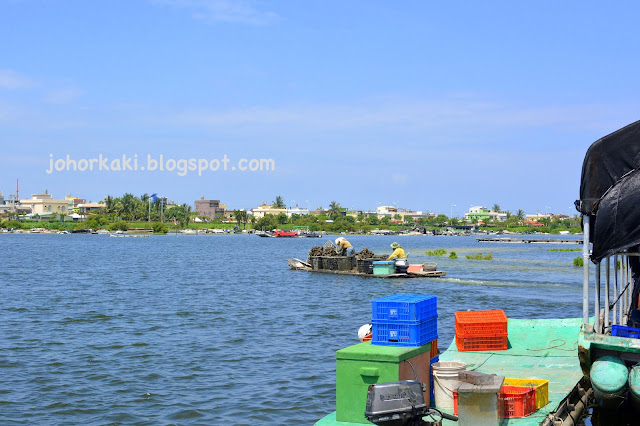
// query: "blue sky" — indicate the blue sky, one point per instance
point(420, 104)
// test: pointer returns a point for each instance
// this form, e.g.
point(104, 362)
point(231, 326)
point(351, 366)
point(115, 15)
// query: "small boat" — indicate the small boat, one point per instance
point(63, 232)
point(279, 233)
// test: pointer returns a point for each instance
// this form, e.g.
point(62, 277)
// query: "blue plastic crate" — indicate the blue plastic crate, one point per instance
point(404, 308)
point(622, 331)
point(396, 334)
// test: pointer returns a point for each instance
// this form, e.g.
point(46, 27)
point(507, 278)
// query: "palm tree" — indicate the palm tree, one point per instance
point(334, 208)
point(496, 208)
point(128, 205)
point(241, 217)
point(520, 214)
point(186, 210)
point(278, 203)
point(109, 204)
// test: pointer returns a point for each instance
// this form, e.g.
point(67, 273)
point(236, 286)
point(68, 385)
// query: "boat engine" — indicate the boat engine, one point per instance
point(400, 404)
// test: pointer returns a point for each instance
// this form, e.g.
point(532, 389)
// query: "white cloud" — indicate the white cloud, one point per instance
point(454, 113)
point(234, 11)
point(63, 96)
point(11, 80)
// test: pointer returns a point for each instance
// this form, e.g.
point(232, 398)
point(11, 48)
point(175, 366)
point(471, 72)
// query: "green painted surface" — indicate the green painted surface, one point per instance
point(367, 351)
point(634, 381)
point(609, 374)
point(539, 349)
point(361, 365)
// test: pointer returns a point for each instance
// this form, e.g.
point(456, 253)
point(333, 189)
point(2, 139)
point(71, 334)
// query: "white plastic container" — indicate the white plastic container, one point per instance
point(445, 379)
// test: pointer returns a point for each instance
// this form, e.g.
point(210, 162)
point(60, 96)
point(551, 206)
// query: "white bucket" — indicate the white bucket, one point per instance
point(445, 378)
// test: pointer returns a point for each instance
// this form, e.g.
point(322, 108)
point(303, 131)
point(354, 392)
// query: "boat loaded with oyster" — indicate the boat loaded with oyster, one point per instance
point(324, 259)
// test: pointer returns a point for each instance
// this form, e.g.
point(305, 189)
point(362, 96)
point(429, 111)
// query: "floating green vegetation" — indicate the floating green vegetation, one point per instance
point(437, 252)
point(568, 249)
point(453, 255)
point(578, 261)
point(480, 256)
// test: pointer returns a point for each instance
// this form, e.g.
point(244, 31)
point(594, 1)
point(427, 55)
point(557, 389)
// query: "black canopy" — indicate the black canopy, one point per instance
point(617, 224)
point(610, 191)
point(607, 160)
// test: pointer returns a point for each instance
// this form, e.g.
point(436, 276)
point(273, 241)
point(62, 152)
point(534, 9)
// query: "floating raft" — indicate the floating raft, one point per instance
point(298, 266)
point(529, 240)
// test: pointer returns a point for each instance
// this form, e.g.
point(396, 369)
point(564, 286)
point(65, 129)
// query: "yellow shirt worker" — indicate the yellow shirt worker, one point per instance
point(398, 252)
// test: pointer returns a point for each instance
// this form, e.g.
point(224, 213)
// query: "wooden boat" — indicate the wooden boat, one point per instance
point(300, 265)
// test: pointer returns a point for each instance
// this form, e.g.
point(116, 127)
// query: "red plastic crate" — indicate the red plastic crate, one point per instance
point(482, 343)
point(482, 323)
point(516, 401)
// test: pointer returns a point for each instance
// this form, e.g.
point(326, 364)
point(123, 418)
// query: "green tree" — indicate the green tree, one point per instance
point(109, 204)
point(520, 214)
point(267, 222)
point(441, 218)
point(278, 203)
point(186, 212)
point(334, 209)
point(282, 218)
point(496, 208)
point(241, 217)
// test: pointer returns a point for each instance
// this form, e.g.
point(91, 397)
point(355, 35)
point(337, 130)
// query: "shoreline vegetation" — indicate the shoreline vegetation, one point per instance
point(131, 212)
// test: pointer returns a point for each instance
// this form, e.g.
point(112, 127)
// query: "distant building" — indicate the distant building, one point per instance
point(386, 211)
point(538, 216)
point(90, 207)
point(265, 209)
point(209, 208)
point(297, 210)
point(74, 202)
point(44, 204)
point(482, 214)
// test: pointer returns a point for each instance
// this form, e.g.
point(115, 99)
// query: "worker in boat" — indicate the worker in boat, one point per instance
point(400, 256)
point(344, 247)
point(398, 252)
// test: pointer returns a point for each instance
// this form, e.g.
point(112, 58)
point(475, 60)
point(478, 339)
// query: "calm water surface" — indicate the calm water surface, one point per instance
point(217, 329)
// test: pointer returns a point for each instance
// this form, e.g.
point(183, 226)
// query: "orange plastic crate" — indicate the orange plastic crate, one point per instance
point(415, 268)
point(482, 343)
point(481, 323)
point(455, 403)
point(516, 401)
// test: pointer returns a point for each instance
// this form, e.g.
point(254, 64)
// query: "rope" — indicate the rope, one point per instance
point(552, 346)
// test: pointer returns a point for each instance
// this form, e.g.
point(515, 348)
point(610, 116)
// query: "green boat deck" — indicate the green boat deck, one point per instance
point(538, 349)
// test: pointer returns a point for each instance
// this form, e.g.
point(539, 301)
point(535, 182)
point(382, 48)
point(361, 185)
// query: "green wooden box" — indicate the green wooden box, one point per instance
point(364, 364)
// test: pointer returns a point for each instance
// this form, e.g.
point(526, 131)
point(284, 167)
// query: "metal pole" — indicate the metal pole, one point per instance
point(615, 293)
point(618, 306)
point(596, 289)
point(606, 292)
point(629, 288)
point(585, 270)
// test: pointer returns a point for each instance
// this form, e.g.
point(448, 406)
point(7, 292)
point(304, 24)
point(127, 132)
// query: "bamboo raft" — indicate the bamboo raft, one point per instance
point(299, 265)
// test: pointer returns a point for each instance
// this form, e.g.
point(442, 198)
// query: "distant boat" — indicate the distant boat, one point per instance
point(279, 233)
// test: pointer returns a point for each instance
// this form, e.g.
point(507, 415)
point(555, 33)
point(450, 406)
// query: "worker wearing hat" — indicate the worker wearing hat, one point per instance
point(398, 252)
point(344, 247)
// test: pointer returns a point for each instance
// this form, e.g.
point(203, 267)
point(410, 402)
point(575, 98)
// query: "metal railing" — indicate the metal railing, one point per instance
point(618, 287)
